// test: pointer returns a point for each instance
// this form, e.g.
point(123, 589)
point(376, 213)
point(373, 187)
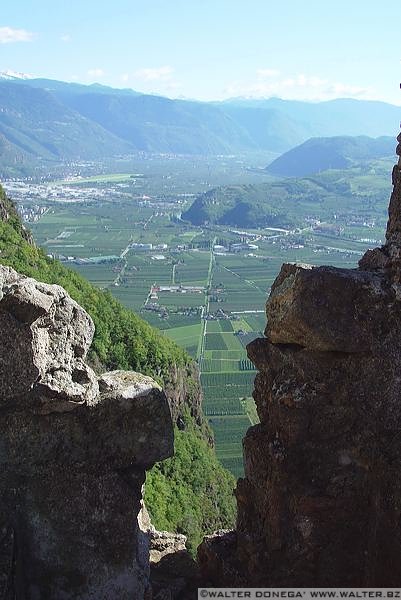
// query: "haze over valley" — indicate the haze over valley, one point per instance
point(185, 211)
point(177, 169)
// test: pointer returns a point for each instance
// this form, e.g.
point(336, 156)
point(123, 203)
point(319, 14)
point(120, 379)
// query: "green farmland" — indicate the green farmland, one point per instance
point(175, 275)
point(159, 284)
point(210, 304)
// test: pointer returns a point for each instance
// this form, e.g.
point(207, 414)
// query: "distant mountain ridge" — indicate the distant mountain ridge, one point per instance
point(318, 154)
point(39, 125)
point(339, 117)
point(157, 124)
point(54, 120)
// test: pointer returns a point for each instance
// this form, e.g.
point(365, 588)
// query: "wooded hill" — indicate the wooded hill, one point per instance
point(287, 203)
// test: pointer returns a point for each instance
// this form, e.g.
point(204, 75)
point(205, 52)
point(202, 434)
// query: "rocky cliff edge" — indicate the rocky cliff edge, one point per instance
point(320, 504)
point(74, 449)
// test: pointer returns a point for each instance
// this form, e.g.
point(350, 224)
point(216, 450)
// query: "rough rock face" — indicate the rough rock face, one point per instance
point(7, 211)
point(4, 216)
point(184, 392)
point(320, 504)
point(73, 454)
point(173, 571)
point(218, 561)
point(45, 337)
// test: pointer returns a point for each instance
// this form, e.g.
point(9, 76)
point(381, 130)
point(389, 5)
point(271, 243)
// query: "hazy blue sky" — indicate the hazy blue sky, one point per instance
point(210, 49)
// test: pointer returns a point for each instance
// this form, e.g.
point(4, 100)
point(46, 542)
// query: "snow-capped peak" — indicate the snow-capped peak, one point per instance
point(14, 75)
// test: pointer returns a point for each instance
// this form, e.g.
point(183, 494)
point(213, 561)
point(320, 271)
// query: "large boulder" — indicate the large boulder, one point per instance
point(327, 309)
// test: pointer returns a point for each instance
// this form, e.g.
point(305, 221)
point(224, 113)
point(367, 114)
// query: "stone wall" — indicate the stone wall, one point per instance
point(74, 449)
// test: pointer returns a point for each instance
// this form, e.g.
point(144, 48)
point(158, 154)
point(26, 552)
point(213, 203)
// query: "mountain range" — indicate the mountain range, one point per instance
point(42, 119)
point(319, 154)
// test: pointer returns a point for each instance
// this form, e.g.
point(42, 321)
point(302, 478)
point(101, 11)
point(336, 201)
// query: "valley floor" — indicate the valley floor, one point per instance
point(191, 282)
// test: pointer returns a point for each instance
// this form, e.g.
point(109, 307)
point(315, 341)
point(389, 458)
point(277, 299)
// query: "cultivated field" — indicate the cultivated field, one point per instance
point(209, 301)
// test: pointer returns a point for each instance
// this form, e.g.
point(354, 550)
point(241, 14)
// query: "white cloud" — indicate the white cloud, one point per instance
point(266, 73)
point(296, 87)
point(341, 89)
point(125, 77)
point(157, 80)
point(8, 35)
point(155, 74)
point(65, 38)
point(95, 72)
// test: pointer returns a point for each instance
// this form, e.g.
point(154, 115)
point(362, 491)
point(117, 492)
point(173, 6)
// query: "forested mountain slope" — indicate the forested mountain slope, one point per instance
point(319, 154)
point(52, 121)
point(191, 492)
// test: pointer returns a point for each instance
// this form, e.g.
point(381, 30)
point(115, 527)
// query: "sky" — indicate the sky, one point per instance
point(210, 49)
